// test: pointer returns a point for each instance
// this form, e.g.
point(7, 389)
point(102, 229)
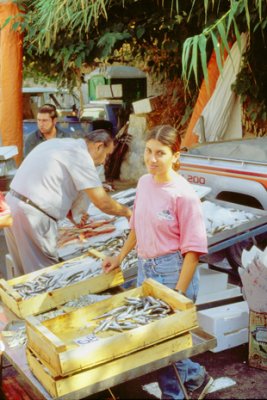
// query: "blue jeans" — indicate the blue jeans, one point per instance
point(166, 270)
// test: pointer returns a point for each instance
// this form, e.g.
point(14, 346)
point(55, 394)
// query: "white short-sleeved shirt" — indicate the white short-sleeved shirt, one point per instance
point(54, 172)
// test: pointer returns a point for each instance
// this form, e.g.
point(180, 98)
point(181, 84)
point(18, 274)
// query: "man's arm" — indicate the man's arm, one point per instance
point(105, 203)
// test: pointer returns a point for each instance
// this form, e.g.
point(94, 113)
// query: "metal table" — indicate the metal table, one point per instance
point(201, 343)
point(241, 232)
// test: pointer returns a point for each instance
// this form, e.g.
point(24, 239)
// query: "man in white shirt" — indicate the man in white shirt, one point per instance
point(43, 190)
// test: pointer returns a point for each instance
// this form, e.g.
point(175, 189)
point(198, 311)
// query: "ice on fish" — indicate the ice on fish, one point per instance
point(218, 218)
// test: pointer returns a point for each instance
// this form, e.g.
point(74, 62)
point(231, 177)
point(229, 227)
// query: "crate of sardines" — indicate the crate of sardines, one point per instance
point(89, 381)
point(110, 329)
point(50, 287)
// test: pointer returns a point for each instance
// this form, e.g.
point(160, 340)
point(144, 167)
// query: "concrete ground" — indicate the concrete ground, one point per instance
point(233, 379)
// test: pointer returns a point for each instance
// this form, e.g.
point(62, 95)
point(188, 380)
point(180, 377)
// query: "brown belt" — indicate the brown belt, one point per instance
point(31, 203)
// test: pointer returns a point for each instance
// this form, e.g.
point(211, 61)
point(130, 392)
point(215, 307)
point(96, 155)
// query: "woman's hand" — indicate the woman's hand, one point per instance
point(110, 263)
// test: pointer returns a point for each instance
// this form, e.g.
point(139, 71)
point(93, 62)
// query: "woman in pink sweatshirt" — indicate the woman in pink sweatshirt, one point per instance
point(168, 231)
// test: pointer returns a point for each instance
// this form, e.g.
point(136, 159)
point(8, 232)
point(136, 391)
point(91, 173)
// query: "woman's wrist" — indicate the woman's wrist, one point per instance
point(180, 291)
point(120, 258)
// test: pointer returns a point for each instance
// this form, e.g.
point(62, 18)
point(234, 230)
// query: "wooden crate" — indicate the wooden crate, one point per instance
point(54, 341)
point(106, 375)
point(43, 302)
point(257, 356)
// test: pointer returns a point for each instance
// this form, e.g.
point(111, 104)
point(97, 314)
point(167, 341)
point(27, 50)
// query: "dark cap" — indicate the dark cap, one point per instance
point(103, 124)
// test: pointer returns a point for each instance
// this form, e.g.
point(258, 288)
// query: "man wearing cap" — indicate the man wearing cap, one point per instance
point(43, 190)
point(47, 128)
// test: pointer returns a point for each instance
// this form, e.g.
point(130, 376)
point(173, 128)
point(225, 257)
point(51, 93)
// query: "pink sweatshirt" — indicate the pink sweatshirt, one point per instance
point(167, 217)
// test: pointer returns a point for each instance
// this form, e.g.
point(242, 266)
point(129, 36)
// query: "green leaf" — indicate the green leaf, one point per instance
point(67, 56)
point(259, 7)
point(216, 47)
point(206, 5)
point(237, 35)
point(191, 10)
point(231, 16)
point(6, 22)
point(247, 13)
point(140, 31)
point(194, 59)
point(203, 56)
point(109, 39)
point(15, 26)
point(78, 61)
point(185, 56)
point(223, 35)
point(256, 26)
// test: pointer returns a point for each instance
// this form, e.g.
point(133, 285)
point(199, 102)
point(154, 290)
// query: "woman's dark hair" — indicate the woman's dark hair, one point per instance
point(48, 109)
point(167, 135)
point(99, 135)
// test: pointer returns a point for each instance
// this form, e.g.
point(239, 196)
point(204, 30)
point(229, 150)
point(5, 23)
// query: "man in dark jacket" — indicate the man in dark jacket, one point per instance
point(47, 129)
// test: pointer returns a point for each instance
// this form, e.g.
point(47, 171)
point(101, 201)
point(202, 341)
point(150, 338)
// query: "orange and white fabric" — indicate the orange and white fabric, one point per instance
point(222, 113)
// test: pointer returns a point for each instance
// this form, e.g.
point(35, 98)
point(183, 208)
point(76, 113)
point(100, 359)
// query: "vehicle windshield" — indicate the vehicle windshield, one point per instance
point(33, 99)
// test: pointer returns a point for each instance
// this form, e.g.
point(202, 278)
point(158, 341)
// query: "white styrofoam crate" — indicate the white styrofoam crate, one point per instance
point(144, 106)
point(211, 281)
point(108, 91)
point(231, 340)
point(228, 293)
point(229, 324)
point(224, 319)
point(7, 152)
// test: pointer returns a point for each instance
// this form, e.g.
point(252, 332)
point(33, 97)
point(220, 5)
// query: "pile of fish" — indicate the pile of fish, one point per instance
point(70, 233)
point(218, 218)
point(112, 247)
point(85, 300)
point(125, 197)
point(135, 312)
point(69, 273)
point(15, 335)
